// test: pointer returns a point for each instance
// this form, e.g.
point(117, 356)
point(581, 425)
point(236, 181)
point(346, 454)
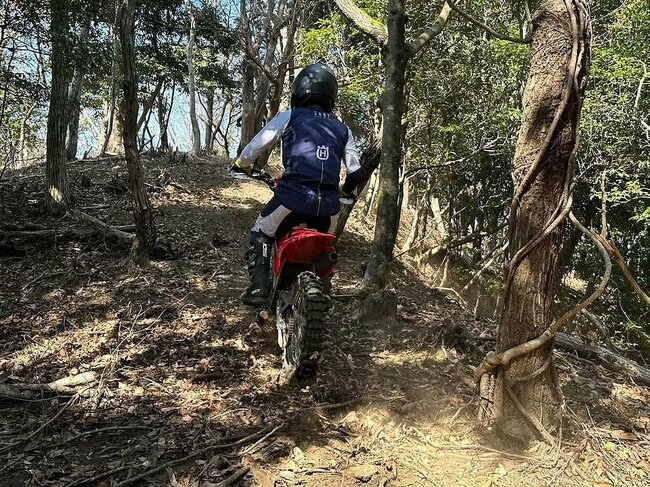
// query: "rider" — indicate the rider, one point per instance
point(313, 143)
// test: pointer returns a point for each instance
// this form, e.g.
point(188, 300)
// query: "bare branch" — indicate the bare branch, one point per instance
point(430, 32)
point(485, 27)
point(364, 22)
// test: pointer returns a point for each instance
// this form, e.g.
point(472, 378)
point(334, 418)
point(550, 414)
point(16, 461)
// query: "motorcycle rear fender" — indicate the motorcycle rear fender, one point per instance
point(309, 248)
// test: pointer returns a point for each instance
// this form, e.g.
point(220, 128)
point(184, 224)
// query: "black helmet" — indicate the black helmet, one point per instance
point(315, 85)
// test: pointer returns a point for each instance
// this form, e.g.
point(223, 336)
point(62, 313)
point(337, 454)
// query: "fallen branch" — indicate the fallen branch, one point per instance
point(46, 275)
point(46, 234)
point(43, 426)
point(101, 476)
point(35, 391)
point(607, 358)
point(198, 453)
point(105, 228)
point(9, 391)
point(103, 430)
point(613, 251)
point(239, 474)
point(252, 448)
point(602, 330)
point(61, 385)
point(620, 262)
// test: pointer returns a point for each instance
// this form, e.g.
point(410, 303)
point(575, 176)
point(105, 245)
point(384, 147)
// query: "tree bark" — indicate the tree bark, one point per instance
point(148, 104)
point(247, 131)
point(115, 142)
point(142, 212)
point(74, 98)
point(209, 121)
point(364, 22)
point(248, 106)
point(196, 132)
point(392, 105)
point(57, 195)
point(112, 134)
point(523, 397)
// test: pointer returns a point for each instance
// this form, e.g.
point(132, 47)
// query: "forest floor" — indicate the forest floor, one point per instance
point(186, 375)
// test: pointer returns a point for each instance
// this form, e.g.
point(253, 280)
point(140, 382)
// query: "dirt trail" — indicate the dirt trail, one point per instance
point(184, 367)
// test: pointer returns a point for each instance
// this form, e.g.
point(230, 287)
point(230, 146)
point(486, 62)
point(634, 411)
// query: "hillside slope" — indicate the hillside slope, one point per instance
point(183, 372)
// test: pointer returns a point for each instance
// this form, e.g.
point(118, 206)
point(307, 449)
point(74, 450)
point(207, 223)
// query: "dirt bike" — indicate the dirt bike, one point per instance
point(302, 263)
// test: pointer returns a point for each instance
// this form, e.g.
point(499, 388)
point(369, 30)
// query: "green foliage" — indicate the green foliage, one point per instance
point(332, 40)
point(464, 95)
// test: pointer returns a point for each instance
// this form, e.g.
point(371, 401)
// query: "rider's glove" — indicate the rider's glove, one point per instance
point(348, 198)
point(237, 166)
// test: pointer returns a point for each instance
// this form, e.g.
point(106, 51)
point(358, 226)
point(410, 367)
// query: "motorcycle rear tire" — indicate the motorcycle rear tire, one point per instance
point(304, 346)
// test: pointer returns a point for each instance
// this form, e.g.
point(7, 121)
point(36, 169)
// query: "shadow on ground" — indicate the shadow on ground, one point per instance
point(183, 367)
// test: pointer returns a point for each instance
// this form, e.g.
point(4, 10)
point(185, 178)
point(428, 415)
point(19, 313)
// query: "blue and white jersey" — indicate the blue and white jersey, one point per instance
point(314, 143)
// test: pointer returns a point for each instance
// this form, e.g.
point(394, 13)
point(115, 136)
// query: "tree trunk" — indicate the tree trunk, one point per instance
point(74, 98)
point(112, 134)
point(57, 195)
point(248, 106)
point(523, 397)
point(115, 142)
point(392, 105)
point(196, 132)
point(23, 150)
point(148, 104)
point(209, 120)
point(142, 212)
point(164, 114)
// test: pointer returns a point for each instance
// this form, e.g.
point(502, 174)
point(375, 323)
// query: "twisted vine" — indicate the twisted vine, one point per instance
point(489, 374)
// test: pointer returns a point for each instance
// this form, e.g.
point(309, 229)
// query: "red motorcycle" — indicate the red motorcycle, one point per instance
point(302, 263)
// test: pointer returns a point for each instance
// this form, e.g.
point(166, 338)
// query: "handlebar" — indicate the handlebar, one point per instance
point(264, 177)
point(270, 182)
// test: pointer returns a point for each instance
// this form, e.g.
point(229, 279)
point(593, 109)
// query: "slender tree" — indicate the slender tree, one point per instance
point(57, 192)
point(396, 53)
point(142, 212)
point(191, 84)
point(74, 96)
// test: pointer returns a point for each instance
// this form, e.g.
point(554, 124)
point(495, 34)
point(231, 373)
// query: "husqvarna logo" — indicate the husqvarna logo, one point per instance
point(322, 152)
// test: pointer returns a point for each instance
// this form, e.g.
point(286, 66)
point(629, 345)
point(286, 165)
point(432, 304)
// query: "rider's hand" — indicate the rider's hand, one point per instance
point(347, 198)
point(237, 166)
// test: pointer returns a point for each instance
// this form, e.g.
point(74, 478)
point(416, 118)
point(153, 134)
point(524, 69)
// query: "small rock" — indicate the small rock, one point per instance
point(363, 473)
point(286, 474)
point(298, 455)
